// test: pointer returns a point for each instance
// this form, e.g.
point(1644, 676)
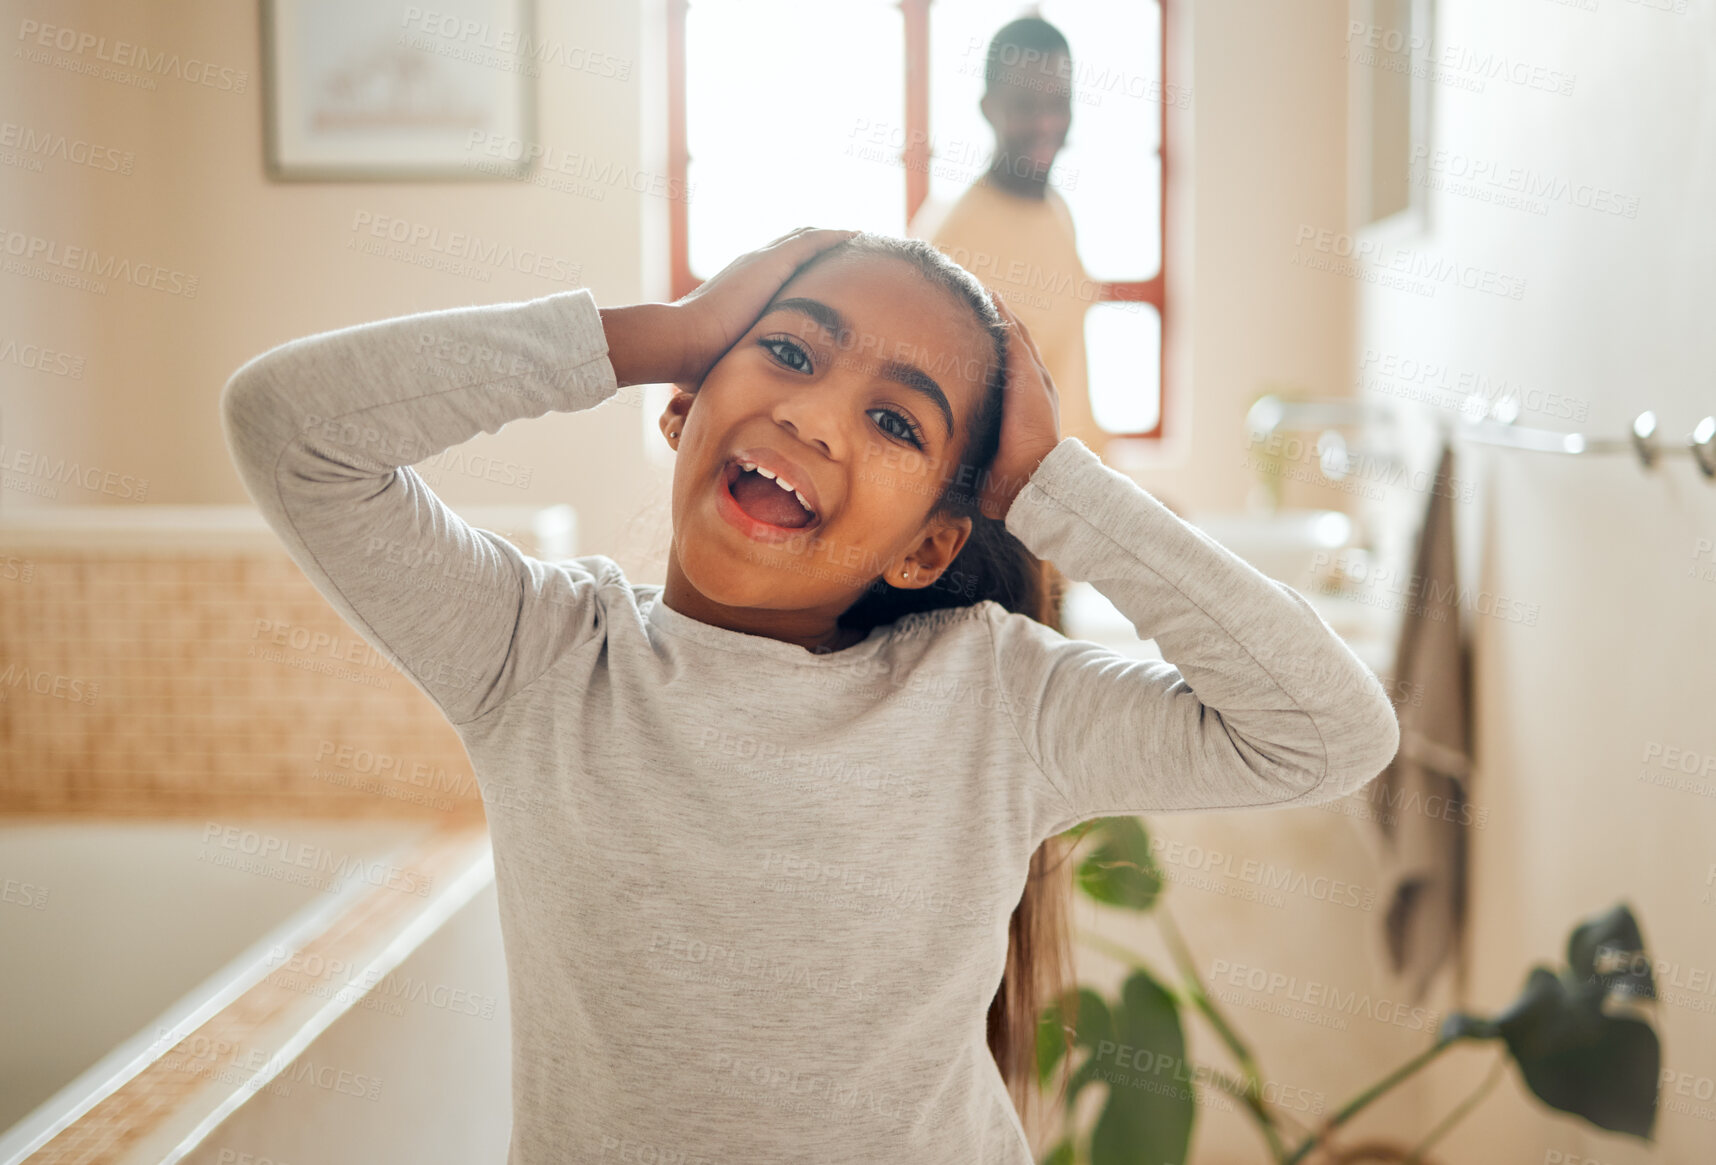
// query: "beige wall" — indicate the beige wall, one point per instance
point(1261, 149)
point(271, 259)
point(1614, 316)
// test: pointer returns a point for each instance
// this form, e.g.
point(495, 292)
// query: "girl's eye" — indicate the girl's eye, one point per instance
point(908, 431)
point(799, 361)
point(775, 345)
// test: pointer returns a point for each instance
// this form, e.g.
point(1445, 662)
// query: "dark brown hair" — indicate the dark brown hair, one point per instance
point(992, 565)
point(1024, 35)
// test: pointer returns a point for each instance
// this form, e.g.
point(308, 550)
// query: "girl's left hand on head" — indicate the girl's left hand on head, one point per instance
point(1030, 419)
point(714, 316)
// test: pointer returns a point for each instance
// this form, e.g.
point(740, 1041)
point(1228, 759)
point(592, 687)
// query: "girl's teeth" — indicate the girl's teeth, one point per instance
point(809, 509)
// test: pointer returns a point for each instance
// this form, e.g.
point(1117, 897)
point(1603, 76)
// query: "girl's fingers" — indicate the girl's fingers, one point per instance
point(1022, 344)
point(771, 265)
point(1020, 337)
point(808, 241)
point(722, 307)
point(775, 242)
point(1015, 326)
point(813, 238)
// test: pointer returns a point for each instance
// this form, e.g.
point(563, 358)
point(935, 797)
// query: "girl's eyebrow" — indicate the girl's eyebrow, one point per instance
point(901, 372)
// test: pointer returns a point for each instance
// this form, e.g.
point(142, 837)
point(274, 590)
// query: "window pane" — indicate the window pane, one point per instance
point(961, 141)
point(1113, 179)
point(1108, 171)
point(791, 120)
point(1123, 342)
point(1117, 66)
point(1117, 196)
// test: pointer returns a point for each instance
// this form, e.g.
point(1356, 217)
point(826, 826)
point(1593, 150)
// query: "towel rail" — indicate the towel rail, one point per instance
point(1644, 440)
point(1271, 414)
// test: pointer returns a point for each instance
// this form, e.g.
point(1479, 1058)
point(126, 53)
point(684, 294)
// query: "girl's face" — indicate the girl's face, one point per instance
point(855, 386)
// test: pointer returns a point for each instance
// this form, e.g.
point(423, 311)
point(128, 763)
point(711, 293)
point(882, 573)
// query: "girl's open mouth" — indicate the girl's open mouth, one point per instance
point(759, 506)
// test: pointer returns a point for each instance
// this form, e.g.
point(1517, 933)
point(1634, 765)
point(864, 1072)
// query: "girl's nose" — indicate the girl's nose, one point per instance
point(818, 416)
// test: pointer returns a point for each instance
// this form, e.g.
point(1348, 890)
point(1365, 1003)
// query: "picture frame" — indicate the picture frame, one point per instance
point(376, 90)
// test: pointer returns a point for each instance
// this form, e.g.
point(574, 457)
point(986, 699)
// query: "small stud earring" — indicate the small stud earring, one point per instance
point(673, 434)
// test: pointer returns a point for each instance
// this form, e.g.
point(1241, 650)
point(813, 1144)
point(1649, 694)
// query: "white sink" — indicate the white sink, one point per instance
point(1292, 546)
point(1283, 545)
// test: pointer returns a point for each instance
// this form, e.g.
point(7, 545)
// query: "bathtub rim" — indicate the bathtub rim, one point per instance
point(133, 1056)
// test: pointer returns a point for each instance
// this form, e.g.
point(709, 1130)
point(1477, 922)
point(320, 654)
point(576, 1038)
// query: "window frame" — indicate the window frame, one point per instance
point(916, 158)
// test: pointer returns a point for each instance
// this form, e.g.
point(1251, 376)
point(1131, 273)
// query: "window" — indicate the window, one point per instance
point(774, 120)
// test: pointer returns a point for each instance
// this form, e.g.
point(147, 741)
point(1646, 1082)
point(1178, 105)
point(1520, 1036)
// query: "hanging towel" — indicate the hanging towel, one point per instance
point(1419, 802)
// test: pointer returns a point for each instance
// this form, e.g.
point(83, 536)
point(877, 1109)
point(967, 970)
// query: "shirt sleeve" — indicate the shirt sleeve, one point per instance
point(323, 431)
point(1256, 701)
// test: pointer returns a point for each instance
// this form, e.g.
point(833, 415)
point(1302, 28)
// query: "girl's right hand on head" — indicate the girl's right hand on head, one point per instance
point(712, 318)
point(1030, 419)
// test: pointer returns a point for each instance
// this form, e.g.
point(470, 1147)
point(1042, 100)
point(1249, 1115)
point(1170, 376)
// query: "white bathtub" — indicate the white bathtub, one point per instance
point(112, 933)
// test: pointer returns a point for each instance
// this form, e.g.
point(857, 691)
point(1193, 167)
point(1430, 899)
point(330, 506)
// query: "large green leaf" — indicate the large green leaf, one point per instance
point(1120, 871)
point(1094, 1025)
point(1147, 1119)
point(1084, 1074)
point(1576, 1053)
point(1579, 1060)
point(1061, 1154)
point(1609, 949)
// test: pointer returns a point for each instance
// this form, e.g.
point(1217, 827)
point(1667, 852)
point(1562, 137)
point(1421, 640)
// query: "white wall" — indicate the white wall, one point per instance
point(1614, 315)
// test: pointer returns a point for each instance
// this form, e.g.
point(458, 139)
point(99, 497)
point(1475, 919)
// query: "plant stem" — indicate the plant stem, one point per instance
point(1459, 1112)
point(1117, 950)
point(1188, 970)
point(1252, 1092)
point(1253, 1102)
point(1187, 966)
point(1127, 955)
point(1192, 994)
point(1364, 1098)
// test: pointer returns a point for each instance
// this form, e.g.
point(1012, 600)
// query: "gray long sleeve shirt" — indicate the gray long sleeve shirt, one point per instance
point(755, 899)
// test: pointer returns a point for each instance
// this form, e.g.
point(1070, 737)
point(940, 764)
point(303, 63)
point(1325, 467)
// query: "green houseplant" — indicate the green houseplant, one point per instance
point(1573, 1034)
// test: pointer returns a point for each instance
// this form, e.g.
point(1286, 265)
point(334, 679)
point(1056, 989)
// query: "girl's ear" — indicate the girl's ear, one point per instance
point(673, 416)
point(941, 546)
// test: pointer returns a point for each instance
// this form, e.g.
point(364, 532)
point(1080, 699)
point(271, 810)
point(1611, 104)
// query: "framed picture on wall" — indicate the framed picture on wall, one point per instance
point(375, 89)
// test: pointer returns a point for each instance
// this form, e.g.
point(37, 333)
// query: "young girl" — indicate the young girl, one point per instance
point(785, 806)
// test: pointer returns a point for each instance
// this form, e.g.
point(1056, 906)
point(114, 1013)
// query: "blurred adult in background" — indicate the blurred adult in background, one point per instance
point(1011, 228)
